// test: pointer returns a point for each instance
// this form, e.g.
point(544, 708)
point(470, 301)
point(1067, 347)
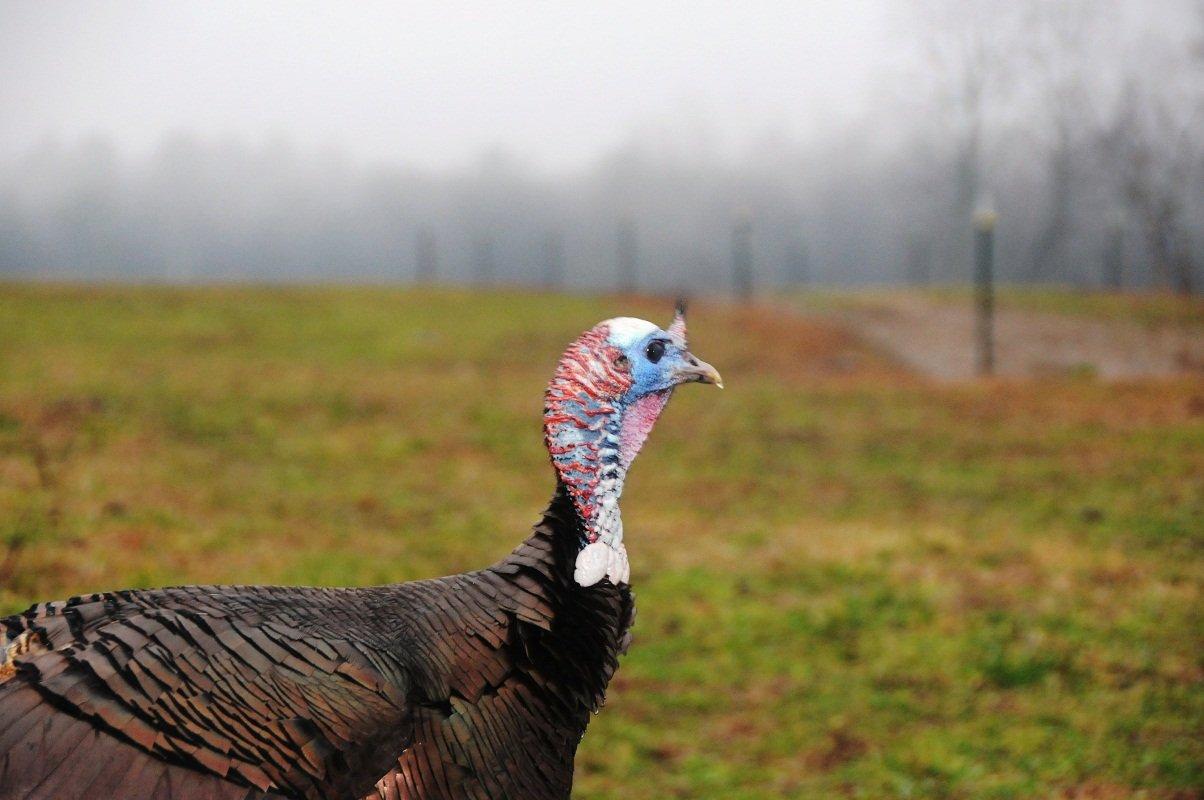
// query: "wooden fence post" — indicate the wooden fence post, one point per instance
point(553, 258)
point(798, 268)
point(484, 265)
point(742, 257)
point(984, 282)
point(426, 255)
point(627, 254)
point(1114, 253)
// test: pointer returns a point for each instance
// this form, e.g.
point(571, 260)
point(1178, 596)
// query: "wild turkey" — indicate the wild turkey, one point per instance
point(471, 686)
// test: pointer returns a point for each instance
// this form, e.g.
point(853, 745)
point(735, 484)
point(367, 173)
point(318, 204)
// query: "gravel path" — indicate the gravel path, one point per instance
point(937, 339)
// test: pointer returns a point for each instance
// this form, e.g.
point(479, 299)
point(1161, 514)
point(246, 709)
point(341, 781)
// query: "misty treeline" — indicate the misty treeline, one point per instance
point(1083, 131)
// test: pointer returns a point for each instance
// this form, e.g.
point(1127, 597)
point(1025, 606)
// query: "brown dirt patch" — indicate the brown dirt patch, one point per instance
point(936, 338)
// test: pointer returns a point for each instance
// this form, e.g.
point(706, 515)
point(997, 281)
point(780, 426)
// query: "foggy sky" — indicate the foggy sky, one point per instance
point(434, 84)
point(525, 142)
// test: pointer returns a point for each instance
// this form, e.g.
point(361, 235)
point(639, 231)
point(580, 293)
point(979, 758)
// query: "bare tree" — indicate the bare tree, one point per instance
point(1058, 64)
point(1152, 143)
point(970, 48)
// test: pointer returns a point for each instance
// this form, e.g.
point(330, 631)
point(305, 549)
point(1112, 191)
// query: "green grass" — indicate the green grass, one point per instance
point(852, 583)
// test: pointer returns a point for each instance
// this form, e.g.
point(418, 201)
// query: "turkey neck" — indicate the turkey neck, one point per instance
point(583, 439)
point(592, 442)
point(572, 634)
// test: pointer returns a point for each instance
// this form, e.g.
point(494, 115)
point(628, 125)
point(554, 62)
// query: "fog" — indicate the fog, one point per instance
point(637, 145)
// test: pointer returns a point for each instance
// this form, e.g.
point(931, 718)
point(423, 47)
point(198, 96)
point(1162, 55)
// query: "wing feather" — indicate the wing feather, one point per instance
point(194, 692)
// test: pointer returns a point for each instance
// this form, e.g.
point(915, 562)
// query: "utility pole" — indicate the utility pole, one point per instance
point(984, 283)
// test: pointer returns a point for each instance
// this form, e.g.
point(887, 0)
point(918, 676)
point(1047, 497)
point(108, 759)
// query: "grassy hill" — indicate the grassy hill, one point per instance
point(852, 582)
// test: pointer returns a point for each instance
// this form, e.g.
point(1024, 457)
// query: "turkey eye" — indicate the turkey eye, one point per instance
point(655, 351)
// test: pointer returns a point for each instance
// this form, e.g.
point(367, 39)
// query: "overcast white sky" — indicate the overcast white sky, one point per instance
point(434, 83)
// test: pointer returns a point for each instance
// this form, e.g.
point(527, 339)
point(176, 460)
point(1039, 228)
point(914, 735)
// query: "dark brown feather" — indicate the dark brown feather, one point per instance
point(471, 686)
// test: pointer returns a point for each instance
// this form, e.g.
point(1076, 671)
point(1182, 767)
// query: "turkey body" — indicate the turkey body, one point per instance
point(477, 685)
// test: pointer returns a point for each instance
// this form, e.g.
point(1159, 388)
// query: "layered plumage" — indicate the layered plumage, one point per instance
point(477, 685)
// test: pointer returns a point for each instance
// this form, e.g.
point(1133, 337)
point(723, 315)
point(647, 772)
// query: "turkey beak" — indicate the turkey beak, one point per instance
point(694, 370)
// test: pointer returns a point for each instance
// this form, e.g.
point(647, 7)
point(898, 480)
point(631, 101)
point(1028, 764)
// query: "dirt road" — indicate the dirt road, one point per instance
point(936, 337)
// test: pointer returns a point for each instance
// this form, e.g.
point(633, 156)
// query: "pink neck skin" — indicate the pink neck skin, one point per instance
point(637, 420)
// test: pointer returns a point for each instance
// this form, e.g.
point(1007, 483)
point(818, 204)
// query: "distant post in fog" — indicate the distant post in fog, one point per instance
point(984, 283)
point(627, 255)
point(484, 260)
point(742, 257)
point(553, 258)
point(919, 260)
point(798, 271)
point(426, 255)
point(1114, 253)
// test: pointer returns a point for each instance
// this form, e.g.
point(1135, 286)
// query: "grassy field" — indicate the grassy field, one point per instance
point(852, 582)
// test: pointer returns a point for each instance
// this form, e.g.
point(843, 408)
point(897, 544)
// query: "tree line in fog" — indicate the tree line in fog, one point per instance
point(1085, 139)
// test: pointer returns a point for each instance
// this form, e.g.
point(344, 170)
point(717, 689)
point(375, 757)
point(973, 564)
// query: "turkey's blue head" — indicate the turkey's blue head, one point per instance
point(609, 388)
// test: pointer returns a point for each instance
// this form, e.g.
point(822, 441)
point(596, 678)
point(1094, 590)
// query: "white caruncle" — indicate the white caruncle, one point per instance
point(606, 555)
point(618, 569)
point(598, 560)
point(591, 563)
